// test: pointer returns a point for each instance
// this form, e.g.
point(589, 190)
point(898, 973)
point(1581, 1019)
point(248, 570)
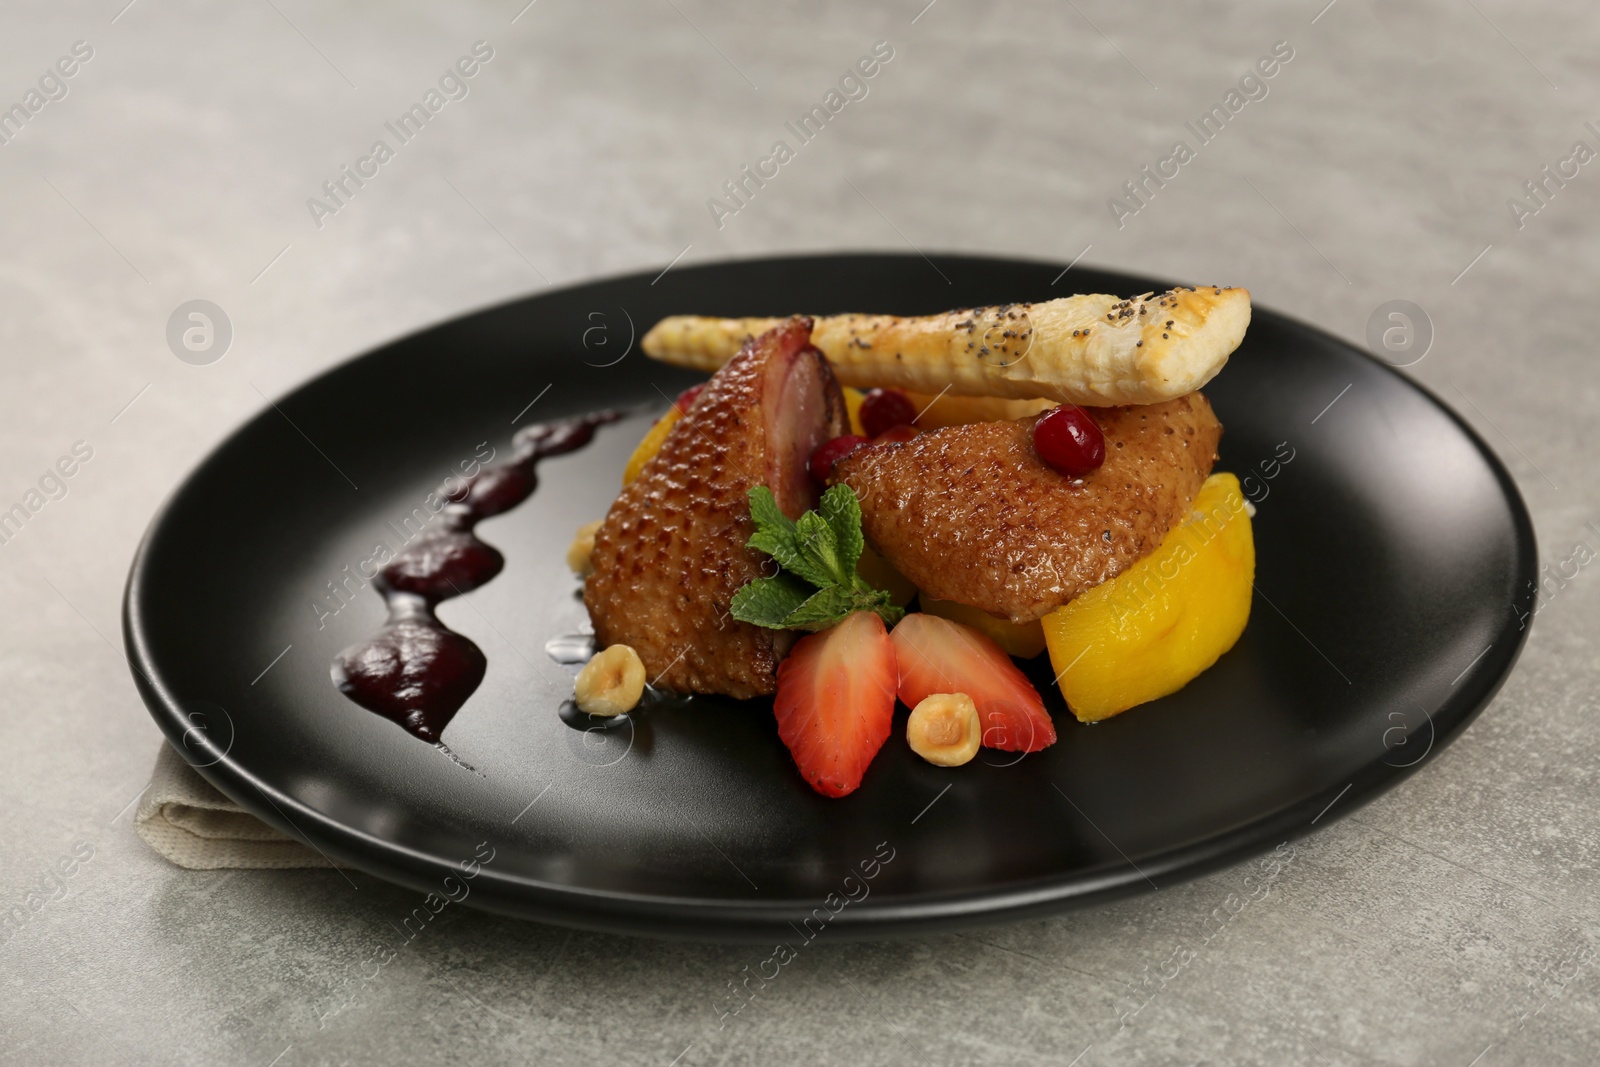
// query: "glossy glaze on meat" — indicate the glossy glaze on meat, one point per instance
point(972, 514)
point(671, 552)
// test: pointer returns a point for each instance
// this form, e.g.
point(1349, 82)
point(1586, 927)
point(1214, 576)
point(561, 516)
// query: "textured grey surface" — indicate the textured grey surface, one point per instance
point(1452, 922)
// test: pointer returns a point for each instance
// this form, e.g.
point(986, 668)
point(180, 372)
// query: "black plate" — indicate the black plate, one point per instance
point(1394, 557)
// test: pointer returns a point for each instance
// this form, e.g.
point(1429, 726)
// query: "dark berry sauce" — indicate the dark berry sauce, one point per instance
point(417, 671)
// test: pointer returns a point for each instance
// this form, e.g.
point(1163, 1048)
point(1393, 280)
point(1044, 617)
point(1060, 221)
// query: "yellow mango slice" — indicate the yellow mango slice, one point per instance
point(1023, 640)
point(651, 444)
point(852, 405)
point(947, 409)
point(1152, 629)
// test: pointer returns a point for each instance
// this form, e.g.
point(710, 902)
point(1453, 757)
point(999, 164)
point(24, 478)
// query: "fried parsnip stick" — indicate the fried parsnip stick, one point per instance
point(1093, 350)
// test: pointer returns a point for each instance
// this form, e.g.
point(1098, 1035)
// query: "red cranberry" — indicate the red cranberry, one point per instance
point(830, 452)
point(884, 409)
point(896, 435)
point(1069, 440)
point(687, 398)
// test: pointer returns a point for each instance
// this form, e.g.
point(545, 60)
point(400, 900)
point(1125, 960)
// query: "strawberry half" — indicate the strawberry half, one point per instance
point(835, 701)
point(939, 656)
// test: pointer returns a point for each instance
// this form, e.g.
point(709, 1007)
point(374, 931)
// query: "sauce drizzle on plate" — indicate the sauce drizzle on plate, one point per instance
point(417, 671)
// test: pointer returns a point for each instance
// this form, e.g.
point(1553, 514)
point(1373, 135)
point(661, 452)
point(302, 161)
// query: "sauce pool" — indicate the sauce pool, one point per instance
point(417, 671)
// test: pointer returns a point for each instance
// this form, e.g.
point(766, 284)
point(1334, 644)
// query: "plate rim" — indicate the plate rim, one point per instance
point(720, 919)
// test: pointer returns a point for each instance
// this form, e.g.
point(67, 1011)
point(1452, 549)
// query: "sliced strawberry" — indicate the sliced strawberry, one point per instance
point(835, 701)
point(939, 656)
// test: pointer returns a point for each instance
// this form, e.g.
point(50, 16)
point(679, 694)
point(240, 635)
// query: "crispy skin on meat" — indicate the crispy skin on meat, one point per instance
point(972, 514)
point(671, 552)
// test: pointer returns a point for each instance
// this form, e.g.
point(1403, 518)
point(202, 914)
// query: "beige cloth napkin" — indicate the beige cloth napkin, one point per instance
point(183, 817)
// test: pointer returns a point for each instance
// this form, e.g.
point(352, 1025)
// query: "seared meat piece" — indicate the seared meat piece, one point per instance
point(972, 514)
point(671, 552)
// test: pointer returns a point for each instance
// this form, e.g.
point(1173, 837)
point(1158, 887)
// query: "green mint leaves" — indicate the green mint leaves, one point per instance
point(818, 553)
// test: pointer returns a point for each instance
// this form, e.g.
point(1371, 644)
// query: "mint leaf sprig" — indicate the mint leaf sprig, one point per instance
point(818, 585)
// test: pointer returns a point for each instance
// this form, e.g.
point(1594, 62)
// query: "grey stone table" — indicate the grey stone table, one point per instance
point(1455, 921)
